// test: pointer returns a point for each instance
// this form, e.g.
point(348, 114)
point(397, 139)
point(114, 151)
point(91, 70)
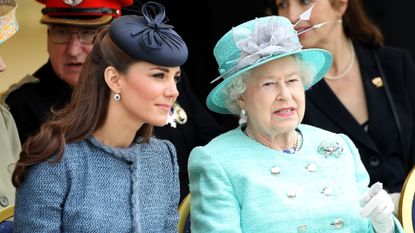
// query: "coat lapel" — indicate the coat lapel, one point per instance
point(323, 98)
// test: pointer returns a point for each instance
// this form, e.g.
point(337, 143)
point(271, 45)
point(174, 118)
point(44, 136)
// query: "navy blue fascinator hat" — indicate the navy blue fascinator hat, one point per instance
point(148, 38)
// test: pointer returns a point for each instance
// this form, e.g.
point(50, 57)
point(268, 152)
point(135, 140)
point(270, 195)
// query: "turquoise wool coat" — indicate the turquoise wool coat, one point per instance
point(233, 189)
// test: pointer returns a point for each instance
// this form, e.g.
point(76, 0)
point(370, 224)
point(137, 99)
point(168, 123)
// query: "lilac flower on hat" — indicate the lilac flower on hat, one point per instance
point(265, 40)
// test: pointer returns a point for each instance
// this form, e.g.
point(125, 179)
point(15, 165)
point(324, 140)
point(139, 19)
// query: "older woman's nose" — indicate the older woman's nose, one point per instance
point(283, 93)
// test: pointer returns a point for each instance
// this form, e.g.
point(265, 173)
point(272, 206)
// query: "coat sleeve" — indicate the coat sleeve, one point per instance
point(361, 174)
point(172, 219)
point(362, 178)
point(213, 204)
point(40, 199)
point(9, 138)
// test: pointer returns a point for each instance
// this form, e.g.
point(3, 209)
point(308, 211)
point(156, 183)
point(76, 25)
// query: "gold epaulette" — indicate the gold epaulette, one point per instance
point(27, 79)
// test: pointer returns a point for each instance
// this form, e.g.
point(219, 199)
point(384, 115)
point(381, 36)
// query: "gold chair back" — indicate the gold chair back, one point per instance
point(184, 210)
point(406, 203)
point(6, 213)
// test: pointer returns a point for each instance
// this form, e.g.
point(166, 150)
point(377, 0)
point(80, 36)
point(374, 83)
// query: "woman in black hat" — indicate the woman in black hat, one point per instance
point(95, 167)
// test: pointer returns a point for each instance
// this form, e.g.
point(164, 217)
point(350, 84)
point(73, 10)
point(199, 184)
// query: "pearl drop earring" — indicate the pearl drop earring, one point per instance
point(117, 97)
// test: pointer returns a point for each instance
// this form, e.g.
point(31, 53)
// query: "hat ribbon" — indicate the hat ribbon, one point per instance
point(156, 32)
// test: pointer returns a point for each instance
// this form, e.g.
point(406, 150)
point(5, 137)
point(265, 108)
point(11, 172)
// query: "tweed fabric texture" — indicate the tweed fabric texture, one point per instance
point(96, 188)
point(233, 189)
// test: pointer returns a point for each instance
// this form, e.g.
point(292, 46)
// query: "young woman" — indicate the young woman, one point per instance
point(95, 167)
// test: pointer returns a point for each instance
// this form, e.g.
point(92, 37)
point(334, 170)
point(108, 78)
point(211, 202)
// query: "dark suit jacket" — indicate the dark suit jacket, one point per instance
point(31, 101)
point(381, 146)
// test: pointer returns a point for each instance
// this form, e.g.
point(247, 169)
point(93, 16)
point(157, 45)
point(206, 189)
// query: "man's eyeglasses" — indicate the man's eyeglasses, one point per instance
point(62, 35)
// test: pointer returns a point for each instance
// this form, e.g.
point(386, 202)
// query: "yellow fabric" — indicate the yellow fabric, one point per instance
point(406, 202)
point(184, 210)
point(6, 213)
point(8, 23)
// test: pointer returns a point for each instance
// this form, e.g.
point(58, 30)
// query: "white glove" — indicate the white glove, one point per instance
point(378, 207)
point(395, 198)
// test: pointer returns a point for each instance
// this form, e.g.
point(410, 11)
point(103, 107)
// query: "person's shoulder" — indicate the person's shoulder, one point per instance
point(316, 131)
point(158, 144)
point(317, 136)
point(76, 150)
point(392, 52)
point(227, 141)
point(158, 147)
point(22, 91)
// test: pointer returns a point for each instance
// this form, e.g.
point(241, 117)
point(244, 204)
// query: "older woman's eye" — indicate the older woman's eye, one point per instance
point(268, 84)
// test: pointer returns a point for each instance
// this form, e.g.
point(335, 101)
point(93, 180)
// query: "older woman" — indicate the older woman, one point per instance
point(274, 174)
point(369, 84)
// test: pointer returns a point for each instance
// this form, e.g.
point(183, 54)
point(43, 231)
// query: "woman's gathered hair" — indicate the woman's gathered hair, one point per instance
point(86, 111)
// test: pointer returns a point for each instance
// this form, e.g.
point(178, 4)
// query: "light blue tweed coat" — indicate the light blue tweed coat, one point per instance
point(233, 189)
point(99, 189)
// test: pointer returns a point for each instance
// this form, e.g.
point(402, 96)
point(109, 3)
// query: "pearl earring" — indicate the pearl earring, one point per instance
point(242, 117)
point(117, 97)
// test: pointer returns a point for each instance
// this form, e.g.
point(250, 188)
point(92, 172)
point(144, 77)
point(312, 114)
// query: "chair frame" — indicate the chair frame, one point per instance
point(406, 202)
point(6, 213)
point(184, 210)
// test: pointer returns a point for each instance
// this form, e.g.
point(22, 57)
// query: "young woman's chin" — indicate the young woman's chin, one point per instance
point(159, 122)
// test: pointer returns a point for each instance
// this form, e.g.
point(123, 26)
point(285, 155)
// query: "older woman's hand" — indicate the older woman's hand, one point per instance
point(378, 207)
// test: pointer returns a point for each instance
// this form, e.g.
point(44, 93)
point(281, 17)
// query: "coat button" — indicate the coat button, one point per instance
point(374, 161)
point(337, 224)
point(302, 228)
point(327, 191)
point(4, 201)
point(275, 170)
point(311, 167)
point(291, 194)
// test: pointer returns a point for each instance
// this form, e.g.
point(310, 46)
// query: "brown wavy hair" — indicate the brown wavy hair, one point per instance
point(86, 111)
point(358, 26)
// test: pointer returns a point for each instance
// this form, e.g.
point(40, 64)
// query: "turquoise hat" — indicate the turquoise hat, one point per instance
point(257, 42)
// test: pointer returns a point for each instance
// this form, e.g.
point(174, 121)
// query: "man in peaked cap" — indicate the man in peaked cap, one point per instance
point(9, 140)
point(72, 26)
